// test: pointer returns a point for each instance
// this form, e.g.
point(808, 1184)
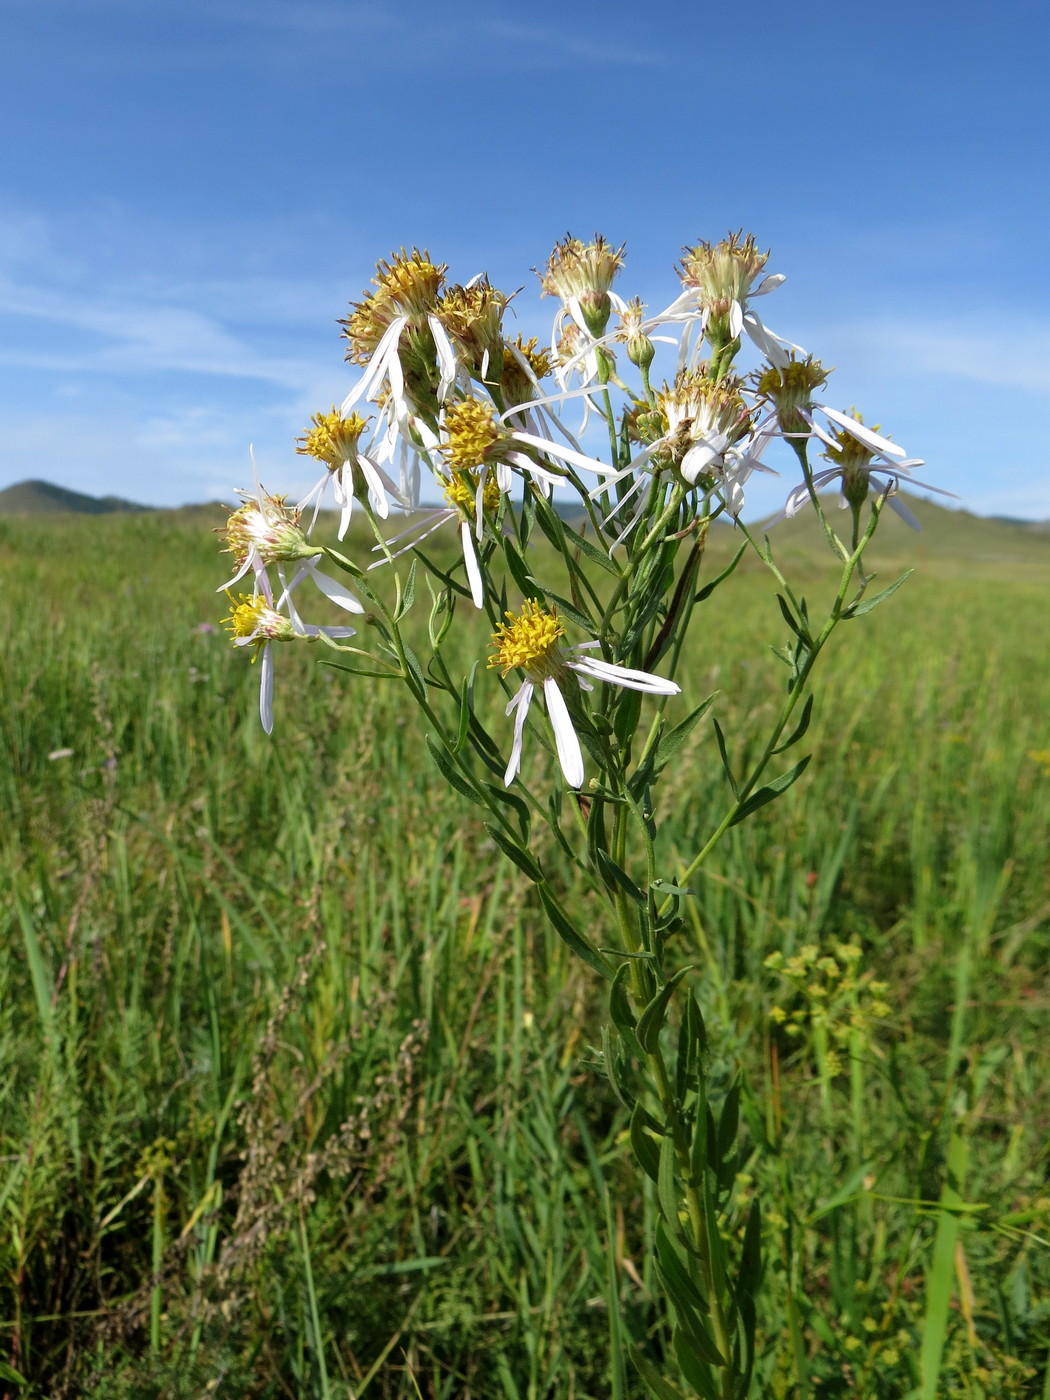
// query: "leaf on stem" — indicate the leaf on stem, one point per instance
point(772, 790)
point(651, 1020)
point(866, 604)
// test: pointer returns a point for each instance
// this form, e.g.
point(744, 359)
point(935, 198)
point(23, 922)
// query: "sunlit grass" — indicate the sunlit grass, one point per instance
point(297, 1088)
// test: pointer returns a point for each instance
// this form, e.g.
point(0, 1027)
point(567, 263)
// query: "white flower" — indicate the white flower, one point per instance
point(254, 621)
point(860, 457)
point(720, 281)
point(263, 531)
point(530, 642)
point(335, 441)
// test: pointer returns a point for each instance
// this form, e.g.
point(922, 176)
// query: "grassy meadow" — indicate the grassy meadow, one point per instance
point(299, 1096)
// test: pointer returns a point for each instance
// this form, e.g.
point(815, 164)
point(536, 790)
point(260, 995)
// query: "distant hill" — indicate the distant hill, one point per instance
point(41, 498)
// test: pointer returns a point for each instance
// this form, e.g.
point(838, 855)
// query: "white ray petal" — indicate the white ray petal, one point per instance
point(334, 590)
point(470, 559)
point(266, 687)
point(864, 435)
point(624, 675)
point(520, 706)
point(570, 756)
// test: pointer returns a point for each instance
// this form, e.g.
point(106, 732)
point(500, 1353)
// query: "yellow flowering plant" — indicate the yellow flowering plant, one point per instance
point(592, 569)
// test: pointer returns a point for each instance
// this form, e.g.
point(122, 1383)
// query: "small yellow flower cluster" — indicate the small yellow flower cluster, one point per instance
point(528, 640)
point(471, 433)
point(461, 490)
point(1042, 757)
point(332, 439)
point(833, 995)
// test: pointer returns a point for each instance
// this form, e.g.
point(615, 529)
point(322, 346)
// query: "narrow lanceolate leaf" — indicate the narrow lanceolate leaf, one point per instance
point(675, 1271)
point(750, 1274)
point(620, 1011)
point(866, 604)
point(720, 738)
point(662, 1389)
point(800, 728)
point(667, 1188)
point(570, 934)
point(645, 1149)
point(518, 806)
point(521, 858)
point(519, 571)
point(651, 1020)
point(709, 588)
point(616, 878)
point(771, 791)
point(451, 773)
point(408, 593)
point(672, 741)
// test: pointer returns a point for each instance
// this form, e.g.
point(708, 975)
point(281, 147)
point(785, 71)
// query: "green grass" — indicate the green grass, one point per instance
point(298, 1093)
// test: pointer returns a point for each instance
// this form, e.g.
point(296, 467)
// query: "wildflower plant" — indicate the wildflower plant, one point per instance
point(592, 569)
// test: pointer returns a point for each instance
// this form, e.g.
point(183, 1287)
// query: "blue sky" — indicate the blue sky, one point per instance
point(192, 192)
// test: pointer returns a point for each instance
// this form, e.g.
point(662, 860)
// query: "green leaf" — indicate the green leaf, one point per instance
point(666, 887)
point(466, 708)
point(645, 1149)
point(866, 604)
point(451, 773)
point(720, 739)
point(675, 1273)
point(709, 588)
point(652, 1018)
point(521, 858)
point(519, 571)
point(612, 1069)
point(750, 1274)
point(569, 610)
point(616, 878)
point(519, 807)
point(772, 790)
point(570, 934)
point(408, 593)
point(800, 728)
point(38, 969)
point(8, 1373)
point(662, 1389)
point(696, 1367)
point(667, 1188)
point(620, 1011)
point(729, 1121)
point(415, 671)
point(672, 741)
point(589, 551)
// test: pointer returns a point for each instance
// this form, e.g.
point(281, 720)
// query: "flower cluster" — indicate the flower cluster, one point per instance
point(467, 429)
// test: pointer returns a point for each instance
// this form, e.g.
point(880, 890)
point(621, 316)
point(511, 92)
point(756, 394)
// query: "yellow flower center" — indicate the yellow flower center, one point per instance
point(332, 439)
point(269, 527)
point(471, 432)
point(529, 642)
point(253, 617)
point(461, 491)
point(723, 273)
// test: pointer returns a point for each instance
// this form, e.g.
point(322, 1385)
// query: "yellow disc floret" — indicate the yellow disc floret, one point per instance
point(471, 434)
point(528, 641)
point(332, 439)
point(723, 273)
point(253, 619)
point(265, 525)
point(461, 490)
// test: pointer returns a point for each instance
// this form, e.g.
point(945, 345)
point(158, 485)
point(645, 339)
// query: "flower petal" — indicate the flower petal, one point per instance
point(624, 675)
point(520, 705)
point(470, 560)
point(570, 755)
point(333, 590)
point(266, 688)
point(864, 435)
